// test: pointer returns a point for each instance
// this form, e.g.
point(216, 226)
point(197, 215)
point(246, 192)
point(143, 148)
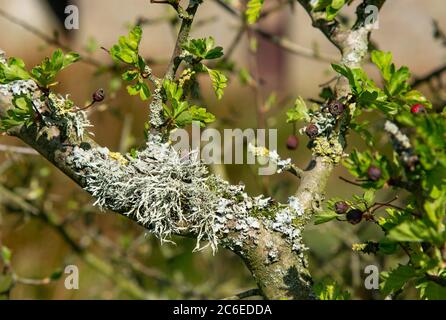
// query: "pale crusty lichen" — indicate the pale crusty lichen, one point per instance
point(284, 222)
point(329, 149)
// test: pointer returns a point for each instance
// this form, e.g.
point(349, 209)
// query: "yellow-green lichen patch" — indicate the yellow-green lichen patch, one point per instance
point(329, 149)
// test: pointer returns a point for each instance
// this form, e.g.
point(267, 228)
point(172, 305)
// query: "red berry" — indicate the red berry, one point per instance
point(354, 216)
point(341, 207)
point(292, 142)
point(374, 173)
point(417, 108)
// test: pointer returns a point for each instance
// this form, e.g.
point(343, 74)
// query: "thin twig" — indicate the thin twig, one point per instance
point(19, 150)
point(246, 294)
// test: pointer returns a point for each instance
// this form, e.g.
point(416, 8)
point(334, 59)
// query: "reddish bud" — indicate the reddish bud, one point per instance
point(312, 131)
point(99, 95)
point(374, 173)
point(336, 108)
point(341, 207)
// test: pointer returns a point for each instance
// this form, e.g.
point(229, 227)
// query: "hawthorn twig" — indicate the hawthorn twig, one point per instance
point(19, 150)
point(282, 42)
point(246, 294)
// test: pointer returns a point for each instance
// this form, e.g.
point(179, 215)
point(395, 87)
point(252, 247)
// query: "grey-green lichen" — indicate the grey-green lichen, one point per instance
point(170, 194)
point(62, 115)
point(55, 110)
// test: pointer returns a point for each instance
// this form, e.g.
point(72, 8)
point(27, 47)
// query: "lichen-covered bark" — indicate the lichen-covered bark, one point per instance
point(168, 193)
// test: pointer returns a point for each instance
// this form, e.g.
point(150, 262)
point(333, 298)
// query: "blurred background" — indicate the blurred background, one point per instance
point(48, 222)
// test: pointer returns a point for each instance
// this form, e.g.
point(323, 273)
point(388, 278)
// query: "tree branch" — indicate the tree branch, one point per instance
point(172, 194)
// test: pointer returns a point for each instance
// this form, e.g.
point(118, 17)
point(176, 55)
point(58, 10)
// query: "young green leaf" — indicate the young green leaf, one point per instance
point(325, 216)
point(219, 81)
point(298, 112)
point(254, 8)
point(13, 70)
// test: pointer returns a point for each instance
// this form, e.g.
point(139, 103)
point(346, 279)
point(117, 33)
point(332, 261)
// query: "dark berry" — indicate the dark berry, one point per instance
point(99, 95)
point(292, 143)
point(312, 131)
point(374, 173)
point(336, 108)
point(354, 216)
point(341, 207)
point(418, 108)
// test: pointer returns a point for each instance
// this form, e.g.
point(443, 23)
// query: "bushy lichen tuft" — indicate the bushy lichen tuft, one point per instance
point(168, 193)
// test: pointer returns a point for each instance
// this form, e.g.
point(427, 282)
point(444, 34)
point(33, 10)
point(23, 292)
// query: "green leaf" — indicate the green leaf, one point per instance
point(6, 255)
point(13, 70)
point(383, 60)
point(413, 97)
point(396, 279)
point(123, 55)
point(397, 82)
point(298, 112)
point(330, 290)
point(203, 49)
point(369, 197)
point(387, 246)
point(414, 231)
point(254, 8)
point(173, 91)
point(219, 82)
point(134, 89)
point(126, 50)
point(56, 275)
point(6, 282)
point(325, 216)
point(331, 7)
point(432, 291)
point(45, 73)
point(21, 114)
point(201, 115)
point(130, 75)
point(144, 92)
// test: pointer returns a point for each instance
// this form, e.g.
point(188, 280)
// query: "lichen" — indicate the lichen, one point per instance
point(401, 142)
point(56, 110)
point(63, 115)
point(272, 156)
point(329, 149)
point(273, 253)
point(323, 121)
point(284, 223)
point(170, 194)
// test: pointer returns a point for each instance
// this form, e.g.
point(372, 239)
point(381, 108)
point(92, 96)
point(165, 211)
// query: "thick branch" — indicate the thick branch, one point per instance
point(169, 194)
point(353, 45)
